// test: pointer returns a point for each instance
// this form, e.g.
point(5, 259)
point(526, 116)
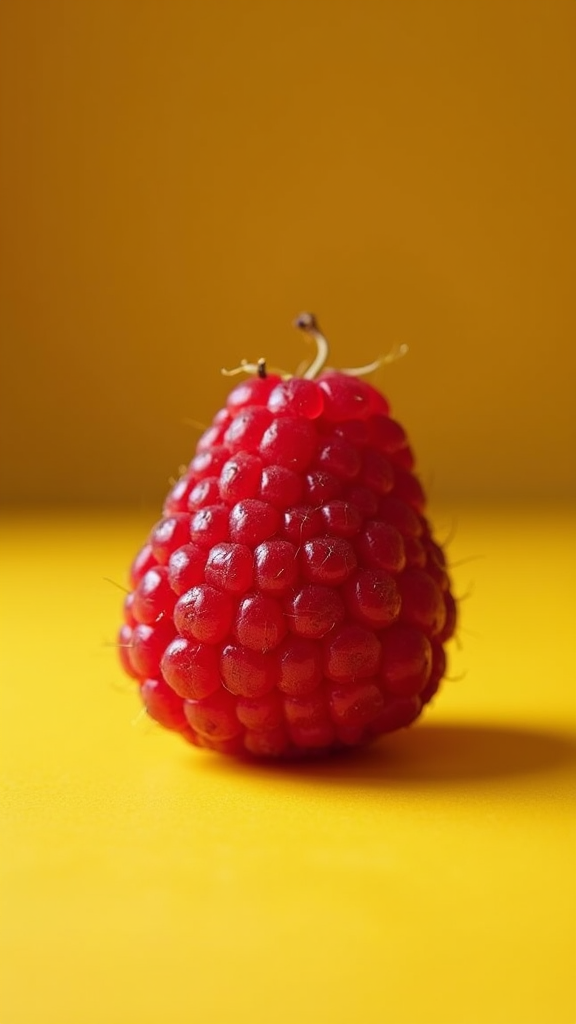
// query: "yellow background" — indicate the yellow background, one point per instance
point(182, 177)
point(178, 180)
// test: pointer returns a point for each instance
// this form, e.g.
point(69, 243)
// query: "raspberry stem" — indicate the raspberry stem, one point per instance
point(259, 369)
point(307, 323)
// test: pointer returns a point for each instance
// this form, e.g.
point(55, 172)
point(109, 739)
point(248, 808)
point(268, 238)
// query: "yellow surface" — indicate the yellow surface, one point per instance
point(427, 881)
point(181, 177)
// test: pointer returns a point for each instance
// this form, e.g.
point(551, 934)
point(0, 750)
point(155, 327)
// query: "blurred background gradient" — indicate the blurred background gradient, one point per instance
point(181, 178)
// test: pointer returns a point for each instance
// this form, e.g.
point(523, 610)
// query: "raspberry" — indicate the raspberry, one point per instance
point(292, 599)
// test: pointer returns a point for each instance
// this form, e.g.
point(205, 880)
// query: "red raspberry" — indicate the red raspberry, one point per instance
point(292, 598)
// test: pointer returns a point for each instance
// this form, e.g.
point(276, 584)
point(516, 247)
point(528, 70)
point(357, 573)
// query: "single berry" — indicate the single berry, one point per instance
point(292, 599)
point(230, 567)
point(281, 487)
point(275, 566)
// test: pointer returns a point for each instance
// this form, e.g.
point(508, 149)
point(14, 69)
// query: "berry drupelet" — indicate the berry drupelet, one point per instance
point(292, 598)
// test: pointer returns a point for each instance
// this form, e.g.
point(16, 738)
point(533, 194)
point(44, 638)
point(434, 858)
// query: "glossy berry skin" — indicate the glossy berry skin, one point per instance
point(292, 600)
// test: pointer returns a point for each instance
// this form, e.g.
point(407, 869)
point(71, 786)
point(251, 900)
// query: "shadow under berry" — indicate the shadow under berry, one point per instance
point(444, 753)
